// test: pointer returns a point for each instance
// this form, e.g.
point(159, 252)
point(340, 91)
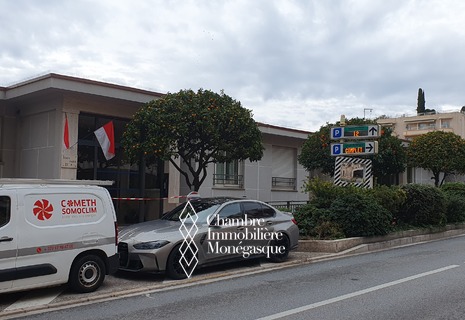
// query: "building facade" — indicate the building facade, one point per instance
point(409, 127)
point(32, 119)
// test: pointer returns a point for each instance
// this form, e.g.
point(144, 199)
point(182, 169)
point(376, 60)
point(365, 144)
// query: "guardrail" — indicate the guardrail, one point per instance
point(290, 206)
point(228, 180)
point(283, 183)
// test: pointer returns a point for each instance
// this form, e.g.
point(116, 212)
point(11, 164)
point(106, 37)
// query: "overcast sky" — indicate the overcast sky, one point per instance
point(297, 64)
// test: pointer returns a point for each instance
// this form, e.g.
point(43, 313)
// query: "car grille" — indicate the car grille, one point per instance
point(123, 254)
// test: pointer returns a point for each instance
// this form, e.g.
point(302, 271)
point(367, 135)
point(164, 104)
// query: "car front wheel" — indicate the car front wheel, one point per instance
point(176, 267)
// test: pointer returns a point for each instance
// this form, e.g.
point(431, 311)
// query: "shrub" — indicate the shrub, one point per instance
point(315, 222)
point(360, 215)
point(455, 208)
point(456, 188)
point(424, 206)
point(328, 230)
point(391, 198)
point(455, 201)
point(336, 212)
point(303, 216)
point(323, 193)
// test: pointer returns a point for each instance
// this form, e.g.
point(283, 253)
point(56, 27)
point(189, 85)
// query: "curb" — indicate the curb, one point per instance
point(381, 242)
point(400, 242)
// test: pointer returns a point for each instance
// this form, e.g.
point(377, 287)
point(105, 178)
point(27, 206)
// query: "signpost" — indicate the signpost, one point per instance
point(350, 170)
point(355, 132)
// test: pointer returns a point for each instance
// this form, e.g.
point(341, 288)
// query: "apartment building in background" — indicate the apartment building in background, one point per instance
point(409, 127)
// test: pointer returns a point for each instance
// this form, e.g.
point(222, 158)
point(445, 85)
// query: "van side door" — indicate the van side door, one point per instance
point(8, 243)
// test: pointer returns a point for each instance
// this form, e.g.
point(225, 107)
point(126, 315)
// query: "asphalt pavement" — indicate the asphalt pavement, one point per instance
point(413, 282)
point(127, 284)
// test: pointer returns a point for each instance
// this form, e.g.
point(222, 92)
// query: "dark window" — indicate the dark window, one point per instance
point(5, 205)
point(256, 210)
point(228, 174)
point(231, 211)
point(130, 181)
point(268, 212)
point(203, 208)
point(253, 210)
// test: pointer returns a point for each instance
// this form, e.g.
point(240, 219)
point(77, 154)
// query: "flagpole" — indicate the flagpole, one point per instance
point(77, 141)
point(86, 136)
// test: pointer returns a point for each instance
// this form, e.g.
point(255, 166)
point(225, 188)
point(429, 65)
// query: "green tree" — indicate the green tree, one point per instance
point(316, 152)
point(200, 128)
point(391, 158)
point(421, 101)
point(438, 151)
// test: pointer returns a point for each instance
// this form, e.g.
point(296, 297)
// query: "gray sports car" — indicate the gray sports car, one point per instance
point(206, 231)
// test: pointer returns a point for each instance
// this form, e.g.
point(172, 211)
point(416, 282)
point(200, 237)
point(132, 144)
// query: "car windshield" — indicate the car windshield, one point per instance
point(203, 208)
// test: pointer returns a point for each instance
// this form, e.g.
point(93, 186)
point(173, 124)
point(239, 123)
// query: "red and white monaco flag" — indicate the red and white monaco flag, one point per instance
point(66, 133)
point(106, 137)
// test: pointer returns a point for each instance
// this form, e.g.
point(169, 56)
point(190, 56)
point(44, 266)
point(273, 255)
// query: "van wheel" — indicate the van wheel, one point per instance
point(174, 269)
point(87, 274)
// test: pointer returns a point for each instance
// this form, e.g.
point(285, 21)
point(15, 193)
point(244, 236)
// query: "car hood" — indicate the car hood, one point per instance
point(151, 230)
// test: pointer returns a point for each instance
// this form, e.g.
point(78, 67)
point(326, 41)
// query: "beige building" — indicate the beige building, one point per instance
point(408, 127)
point(32, 118)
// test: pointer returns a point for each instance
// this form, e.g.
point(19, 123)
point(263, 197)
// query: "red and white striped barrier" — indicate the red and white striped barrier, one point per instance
point(138, 199)
point(193, 194)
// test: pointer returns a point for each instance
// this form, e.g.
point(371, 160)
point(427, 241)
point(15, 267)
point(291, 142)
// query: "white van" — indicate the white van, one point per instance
point(54, 232)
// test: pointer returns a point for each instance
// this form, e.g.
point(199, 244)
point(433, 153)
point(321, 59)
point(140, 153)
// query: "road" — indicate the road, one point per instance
point(424, 281)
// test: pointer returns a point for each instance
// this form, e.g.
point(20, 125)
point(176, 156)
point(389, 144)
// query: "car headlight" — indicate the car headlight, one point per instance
point(151, 245)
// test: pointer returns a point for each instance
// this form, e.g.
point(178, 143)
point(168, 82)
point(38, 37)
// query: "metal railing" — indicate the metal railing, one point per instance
point(289, 206)
point(228, 180)
point(283, 183)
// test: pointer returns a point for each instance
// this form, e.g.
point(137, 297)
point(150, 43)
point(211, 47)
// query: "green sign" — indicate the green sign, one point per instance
point(354, 148)
point(355, 132)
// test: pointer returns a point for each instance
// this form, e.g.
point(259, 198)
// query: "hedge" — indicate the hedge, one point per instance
point(338, 212)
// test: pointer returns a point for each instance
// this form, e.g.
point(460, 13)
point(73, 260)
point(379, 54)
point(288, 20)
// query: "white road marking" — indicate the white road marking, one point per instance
point(36, 298)
point(353, 294)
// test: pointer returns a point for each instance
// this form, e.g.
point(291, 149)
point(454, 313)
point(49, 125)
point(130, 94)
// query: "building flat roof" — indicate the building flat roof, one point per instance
point(55, 81)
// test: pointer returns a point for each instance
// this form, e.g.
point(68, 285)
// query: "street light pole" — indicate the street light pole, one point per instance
point(366, 109)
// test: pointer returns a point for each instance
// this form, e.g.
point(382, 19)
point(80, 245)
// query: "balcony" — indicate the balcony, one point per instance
point(414, 133)
point(228, 180)
point(278, 183)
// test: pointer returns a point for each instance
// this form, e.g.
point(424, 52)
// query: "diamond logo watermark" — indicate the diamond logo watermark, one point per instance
point(188, 248)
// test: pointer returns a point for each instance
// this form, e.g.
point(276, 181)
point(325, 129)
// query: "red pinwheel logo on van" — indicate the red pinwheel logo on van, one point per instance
point(43, 209)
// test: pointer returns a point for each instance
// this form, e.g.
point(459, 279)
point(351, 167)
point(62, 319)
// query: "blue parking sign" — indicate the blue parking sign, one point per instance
point(336, 133)
point(336, 149)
